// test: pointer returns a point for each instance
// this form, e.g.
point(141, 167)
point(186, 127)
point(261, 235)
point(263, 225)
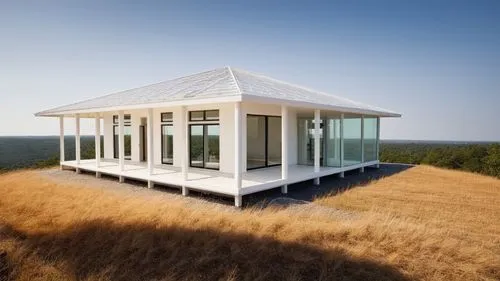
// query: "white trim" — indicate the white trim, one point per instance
point(284, 147)
point(185, 140)
point(341, 140)
point(61, 139)
point(317, 144)
point(237, 147)
point(175, 103)
point(321, 106)
point(150, 145)
point(121, 140)
point(378, 138)
point(77, 138)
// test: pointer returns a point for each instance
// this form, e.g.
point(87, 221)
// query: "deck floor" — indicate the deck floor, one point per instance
point(210, 180)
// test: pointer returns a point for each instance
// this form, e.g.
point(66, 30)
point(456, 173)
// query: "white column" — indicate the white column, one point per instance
point(362, 169)
point(317, 144)
point(284, 148)
point(342, 143)
point(121, 142)
point(61, 139)
point(378, 141)
point(77, 139)
point(185, 143)
point(97, 141)
point(237, 153)
point(150, 143)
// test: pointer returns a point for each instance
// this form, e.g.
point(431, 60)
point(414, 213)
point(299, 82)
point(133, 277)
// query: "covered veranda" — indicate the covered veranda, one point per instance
point(234, 184)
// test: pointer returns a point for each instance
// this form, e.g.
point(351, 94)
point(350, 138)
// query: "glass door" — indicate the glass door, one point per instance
point(204, 143)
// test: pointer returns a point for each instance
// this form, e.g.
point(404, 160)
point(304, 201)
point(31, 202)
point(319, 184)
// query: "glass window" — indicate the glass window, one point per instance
point(196, 145)
point(127, 137)
point(212, 146)
point(126, 119)
point(196, 116)
point(167, 117)
point(263, 141)
point(370, 139)
point(306, 141)
point(273, 140)
point(167, 144)
point(256, 141)
point(332, 140)
point(211, 115)
point(352, 141)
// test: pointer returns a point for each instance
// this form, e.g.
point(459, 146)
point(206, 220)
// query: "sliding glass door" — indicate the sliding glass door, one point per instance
point(204, 146)
point(167, 144)
point(263, 141)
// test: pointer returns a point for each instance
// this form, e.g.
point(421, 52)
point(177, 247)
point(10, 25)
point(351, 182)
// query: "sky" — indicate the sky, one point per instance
point(436, 62)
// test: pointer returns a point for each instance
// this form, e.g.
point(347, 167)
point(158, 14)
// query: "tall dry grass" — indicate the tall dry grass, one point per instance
point(56, 231)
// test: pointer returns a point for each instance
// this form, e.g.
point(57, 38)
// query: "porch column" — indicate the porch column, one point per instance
point(121, 142)
point(97, 143)
point(150, 145)
point(237, 153)
point(316, 144)
point(61, 140)
point(342, 144)
point(77, 141)
point(185, 142)
point(284, 148)
point(377, 147)
point(362, 169)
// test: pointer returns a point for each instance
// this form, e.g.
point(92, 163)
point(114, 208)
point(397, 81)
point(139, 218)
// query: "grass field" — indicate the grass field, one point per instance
point(421, 224)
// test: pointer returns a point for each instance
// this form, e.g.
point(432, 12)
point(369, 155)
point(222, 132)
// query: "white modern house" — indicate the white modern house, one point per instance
point(225, 131)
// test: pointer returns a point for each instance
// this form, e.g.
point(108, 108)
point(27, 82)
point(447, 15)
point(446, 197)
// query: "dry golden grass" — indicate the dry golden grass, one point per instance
point(53, 231)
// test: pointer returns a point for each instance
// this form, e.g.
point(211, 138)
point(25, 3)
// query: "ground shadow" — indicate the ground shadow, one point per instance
point(147, 252)
point(307, 191)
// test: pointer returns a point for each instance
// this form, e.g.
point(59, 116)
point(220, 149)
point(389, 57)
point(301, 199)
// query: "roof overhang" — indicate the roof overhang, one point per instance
point(246, 98)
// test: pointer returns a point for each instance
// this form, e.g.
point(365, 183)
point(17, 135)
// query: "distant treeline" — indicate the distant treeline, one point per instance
point(477, 158)
point(39, 152)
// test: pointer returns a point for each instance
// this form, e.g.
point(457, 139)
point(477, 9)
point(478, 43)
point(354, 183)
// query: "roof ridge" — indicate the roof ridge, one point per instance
point(235, 80)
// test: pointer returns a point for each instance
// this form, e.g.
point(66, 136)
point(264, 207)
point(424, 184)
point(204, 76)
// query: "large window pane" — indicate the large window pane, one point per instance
point(333, 143)
point(196, 116)
point(256, 141)
point(370, 139)
point(211, 115)
point(273, 140)
point(212, 146)
point(127, 136)
point(306, 141)
point(352, 141)
point(196, 145)
point(167, 147)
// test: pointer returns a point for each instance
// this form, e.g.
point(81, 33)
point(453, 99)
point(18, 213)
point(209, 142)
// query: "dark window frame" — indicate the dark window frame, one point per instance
point(204, 116)
point(266, 140)
point(164, 123)
point(162, 137)
point(115, 150)
point(204, 125)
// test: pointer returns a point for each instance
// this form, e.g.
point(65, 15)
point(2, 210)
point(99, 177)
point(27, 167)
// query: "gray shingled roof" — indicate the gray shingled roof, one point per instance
point(217, 83)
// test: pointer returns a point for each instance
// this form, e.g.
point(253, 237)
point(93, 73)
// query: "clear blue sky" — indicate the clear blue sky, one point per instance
point(437, 62)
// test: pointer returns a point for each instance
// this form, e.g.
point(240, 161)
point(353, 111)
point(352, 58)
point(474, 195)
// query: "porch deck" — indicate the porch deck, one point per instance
point(210, 180)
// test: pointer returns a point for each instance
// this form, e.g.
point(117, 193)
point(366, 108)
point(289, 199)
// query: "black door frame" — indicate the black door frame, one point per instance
point(204, 125)
point(266, 140)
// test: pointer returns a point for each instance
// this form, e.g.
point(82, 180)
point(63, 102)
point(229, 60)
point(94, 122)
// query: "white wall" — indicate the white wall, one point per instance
point(108, 135)
point(226, 122)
